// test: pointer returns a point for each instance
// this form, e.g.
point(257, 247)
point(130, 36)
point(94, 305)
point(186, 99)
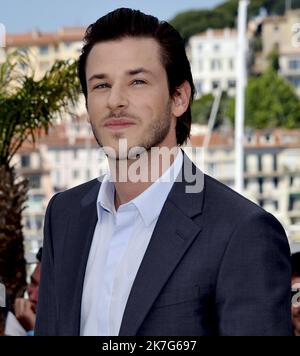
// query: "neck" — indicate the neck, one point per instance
point(133, 176)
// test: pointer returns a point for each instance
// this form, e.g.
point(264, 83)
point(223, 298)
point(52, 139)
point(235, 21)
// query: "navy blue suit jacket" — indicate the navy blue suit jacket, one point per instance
point(216, 264)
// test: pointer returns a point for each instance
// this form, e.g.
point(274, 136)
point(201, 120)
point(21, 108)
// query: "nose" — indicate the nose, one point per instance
point(117, 98)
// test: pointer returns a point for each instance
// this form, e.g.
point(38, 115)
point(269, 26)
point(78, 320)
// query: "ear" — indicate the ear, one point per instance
point(181, 99)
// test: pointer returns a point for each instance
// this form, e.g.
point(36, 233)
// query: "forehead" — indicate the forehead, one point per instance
point(118, 56)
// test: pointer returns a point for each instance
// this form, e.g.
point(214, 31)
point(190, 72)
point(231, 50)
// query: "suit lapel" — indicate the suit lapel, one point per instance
point(173, 234)
point(75, 254)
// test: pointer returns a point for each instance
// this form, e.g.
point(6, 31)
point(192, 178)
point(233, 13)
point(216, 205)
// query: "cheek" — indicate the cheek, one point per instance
point(94, 105)
point(152, 106)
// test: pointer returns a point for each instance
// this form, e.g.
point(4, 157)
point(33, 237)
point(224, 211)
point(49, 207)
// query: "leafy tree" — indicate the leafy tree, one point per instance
point(273, 59)
point(201, 109)
point(26, 107)
point(271, 102)
point(224, 15)
point(192, 22)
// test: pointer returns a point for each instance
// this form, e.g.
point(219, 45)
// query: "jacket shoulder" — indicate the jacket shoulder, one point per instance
point(74, 196)
point(227, 199)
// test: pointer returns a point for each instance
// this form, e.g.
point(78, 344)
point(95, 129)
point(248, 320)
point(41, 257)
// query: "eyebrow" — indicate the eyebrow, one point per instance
point(129, 72)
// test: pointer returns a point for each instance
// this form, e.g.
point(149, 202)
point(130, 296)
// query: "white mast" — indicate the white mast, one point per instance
point(240, 95)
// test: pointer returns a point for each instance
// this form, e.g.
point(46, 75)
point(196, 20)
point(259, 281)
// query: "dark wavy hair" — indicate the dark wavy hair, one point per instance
point(125, 22)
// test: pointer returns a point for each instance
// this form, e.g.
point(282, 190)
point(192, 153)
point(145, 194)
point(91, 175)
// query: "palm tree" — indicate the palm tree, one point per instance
point(27, 108)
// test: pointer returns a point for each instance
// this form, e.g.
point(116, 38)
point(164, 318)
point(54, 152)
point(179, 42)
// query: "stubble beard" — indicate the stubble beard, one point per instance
point(157, 132)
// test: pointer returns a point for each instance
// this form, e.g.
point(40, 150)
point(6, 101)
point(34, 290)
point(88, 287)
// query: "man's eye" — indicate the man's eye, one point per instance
point(138, 82)
point(101, 86)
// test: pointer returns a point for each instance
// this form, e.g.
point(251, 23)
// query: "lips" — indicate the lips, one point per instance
point(118, 123)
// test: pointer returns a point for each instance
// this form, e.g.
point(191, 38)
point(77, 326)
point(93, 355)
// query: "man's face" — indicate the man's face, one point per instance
point(296, 309)
point(33, 286)
point(128, 96)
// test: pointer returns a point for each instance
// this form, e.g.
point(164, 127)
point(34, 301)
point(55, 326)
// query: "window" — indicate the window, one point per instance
point(28, 223)
point(34, 182)
point(200, 47)
point(75, 174)
point(215, 84)
point(68, 44)
point(275, 165)
point(23, 50)
point(259, 158)
point(39, 222)
point(261, 185)
point(216, 64)
point(216, 47)
point(295, 82)
point(44, 50)
point(294, 64)
point(37, 198)
point(212, 168)
point(294, 202)
point(198, 86)
point(261, 203)
point(231, 84)
point(231, 64)
point(245, 166)
point(25, 161)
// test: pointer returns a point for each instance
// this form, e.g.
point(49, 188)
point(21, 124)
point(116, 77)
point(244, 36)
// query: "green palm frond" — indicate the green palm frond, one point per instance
point(28, 105)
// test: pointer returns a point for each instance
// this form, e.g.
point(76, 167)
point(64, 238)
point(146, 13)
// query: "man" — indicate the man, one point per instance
point(124, 256)
point(296, 293)
point(23, 321)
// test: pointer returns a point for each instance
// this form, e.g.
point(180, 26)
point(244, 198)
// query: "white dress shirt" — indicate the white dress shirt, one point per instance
point(119, 243)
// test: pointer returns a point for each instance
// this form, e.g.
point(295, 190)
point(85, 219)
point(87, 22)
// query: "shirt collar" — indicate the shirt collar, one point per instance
point(148, 207)
point(105, 200)
point(151, 201)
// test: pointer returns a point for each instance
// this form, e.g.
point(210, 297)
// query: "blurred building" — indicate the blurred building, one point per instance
point(279, 34)
point(44, 48)
point(52, 164)
point(213, 61)
point(271, 170)
point(66, 157)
